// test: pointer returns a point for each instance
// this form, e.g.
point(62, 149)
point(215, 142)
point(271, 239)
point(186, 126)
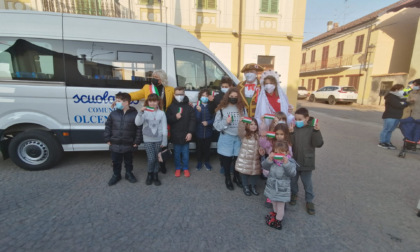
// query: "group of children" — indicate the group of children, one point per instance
point(283, 151)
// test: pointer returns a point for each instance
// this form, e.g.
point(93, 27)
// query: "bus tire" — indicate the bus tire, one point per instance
point(35, 150)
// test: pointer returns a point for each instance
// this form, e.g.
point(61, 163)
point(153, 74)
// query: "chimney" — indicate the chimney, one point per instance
point(329, 25)
point(335, 25)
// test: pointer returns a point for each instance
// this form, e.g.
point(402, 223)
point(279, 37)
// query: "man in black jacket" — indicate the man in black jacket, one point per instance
point(123, 136)
point(181, 118)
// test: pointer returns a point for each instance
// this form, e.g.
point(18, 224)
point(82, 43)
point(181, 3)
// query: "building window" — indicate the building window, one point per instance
point(359, 44)
point(313, 55)
point(321, 83)
point(311, 84)
point(340, 47)
point(336, 80)
point(354, 81)
point(266, 61)
point(324, 61)
point(269, 6)
point(149, 2)
point(303, 58)
point(206, 4)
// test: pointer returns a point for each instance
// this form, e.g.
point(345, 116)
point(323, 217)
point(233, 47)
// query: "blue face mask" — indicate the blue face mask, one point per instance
point(224, 90)
point(300, 124)
point(119, 105)
point(204, 99)
point(416, 88)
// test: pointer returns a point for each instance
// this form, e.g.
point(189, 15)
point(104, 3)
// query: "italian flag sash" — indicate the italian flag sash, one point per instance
point(270, 134)
point(150, 109)
point(153, 89)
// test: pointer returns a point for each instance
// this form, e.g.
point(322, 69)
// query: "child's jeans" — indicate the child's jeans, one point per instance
point(117, 159)
point(306, 177)
point(181, 156)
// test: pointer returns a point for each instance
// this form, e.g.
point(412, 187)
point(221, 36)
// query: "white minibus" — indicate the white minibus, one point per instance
point(59, 74)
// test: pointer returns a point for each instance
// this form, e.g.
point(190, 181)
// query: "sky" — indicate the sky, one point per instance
point(319, 12)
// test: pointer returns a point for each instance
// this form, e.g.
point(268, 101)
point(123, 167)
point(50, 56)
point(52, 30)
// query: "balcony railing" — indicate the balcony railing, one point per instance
point(109, 8)
point(330, 63)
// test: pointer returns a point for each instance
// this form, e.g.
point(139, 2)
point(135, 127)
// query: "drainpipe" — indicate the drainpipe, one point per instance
point(366, 61)
point(239, 39)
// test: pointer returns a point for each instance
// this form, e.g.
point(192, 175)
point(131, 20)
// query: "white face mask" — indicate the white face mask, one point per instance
point(250, 77)
point(269, 88)
point(179, 98)
point(281, 122)
point(224, 90)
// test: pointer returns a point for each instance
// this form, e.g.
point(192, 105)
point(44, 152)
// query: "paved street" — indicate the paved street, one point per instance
point(365, 199)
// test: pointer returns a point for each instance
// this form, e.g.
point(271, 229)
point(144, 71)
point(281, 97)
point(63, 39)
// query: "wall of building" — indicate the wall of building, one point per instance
point(394, 37)
point(414, 71)
point(234, 41)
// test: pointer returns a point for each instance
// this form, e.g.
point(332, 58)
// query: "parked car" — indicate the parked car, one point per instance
point(334, 94)
point(302, 93)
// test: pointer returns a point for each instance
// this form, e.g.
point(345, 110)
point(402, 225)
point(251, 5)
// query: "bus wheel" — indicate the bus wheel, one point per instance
point(35, 150)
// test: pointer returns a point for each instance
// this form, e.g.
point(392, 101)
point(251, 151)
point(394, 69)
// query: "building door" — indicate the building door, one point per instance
point(324, 62)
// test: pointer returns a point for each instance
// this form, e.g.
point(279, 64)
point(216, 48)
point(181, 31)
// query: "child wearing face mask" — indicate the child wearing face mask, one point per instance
point(226, 83)
point(155, 134)
point(204, 129)
point(248, 163)
point(279, 117)
point(123, 136)
point(281, 131)
point(229, 111)
point(281, 167)
point(181, 118)
point(305, 138)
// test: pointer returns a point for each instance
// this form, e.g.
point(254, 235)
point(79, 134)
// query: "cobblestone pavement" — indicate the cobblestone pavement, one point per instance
point(365, 200)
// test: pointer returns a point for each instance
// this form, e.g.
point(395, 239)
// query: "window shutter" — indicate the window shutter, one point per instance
point(211, 4)
point(274, 6)
point(147, 2)
point(340, 48)
point(264, 6)
point(361, 42)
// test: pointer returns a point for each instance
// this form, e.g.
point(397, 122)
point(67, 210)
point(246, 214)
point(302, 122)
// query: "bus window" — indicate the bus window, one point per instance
point(31, 59)
point(195, 70)
point(110, 65)
point(214, 74)
point(190, 71)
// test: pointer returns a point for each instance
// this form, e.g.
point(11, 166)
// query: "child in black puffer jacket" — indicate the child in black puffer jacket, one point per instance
point(123, 136)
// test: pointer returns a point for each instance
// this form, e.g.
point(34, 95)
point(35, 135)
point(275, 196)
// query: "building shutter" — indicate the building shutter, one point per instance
point(264, 6)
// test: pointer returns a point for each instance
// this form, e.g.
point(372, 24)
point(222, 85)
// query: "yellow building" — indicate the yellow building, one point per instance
point(371, 53)
point(268, 32)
